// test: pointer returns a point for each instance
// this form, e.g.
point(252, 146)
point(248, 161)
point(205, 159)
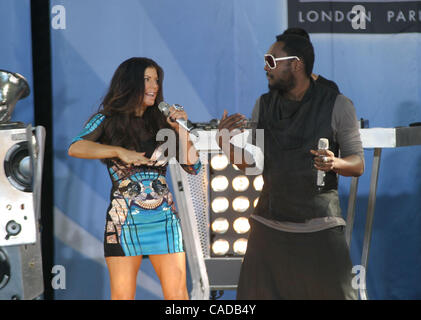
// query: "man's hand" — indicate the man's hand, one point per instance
point(235, 121)
point(234, 124)
point(324, 160)
point(350, 166)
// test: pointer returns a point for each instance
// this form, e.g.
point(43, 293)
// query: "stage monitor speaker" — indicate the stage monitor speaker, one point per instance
point(21, 162)
point(21, 275)
point(21, 159)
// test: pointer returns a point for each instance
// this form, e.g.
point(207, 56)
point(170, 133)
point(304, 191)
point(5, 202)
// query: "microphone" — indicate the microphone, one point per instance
point(323, 145)
point(165, 109)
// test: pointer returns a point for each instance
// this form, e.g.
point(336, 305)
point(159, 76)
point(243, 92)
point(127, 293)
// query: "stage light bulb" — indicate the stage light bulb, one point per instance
point(220, 225)
point(219, 162)
point(240, 246)
point(220, 247)
point(220, 204)
point(240, 183)
point(258, 183)
point(219, 183)
point(241, 225)
point(241, 204)
point(255, 202)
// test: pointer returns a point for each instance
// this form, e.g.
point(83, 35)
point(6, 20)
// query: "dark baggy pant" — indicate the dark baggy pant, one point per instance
point(283, 265)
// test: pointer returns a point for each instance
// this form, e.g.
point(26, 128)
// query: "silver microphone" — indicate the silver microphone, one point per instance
point(323, 145)
point(165, 109)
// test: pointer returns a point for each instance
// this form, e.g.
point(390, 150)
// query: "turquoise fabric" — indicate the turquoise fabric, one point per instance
point(141, 218)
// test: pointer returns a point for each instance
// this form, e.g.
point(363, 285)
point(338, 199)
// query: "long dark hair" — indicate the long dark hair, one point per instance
point(122, 100)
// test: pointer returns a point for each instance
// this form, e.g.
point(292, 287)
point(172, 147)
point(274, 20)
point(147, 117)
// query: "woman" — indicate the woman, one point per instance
point(141, 219)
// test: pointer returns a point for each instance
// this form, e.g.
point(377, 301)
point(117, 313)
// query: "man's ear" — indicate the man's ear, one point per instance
point(298, 65)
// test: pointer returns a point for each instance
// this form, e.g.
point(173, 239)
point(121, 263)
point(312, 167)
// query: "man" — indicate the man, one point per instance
point(316, 77)
point(296, 247)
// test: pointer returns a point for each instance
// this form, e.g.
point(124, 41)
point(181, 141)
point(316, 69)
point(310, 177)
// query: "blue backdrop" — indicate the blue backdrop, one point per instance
point(212, 55)
point(16, 50)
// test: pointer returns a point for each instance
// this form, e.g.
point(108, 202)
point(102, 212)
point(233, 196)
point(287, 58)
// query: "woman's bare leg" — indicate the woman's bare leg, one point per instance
point(171, 270)
point(123, 272)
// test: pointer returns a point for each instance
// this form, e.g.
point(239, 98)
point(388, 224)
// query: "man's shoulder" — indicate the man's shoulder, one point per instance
point(343, 101)
point(265, 95)
point(328, 83)
point(265, 98)
point(343, 109)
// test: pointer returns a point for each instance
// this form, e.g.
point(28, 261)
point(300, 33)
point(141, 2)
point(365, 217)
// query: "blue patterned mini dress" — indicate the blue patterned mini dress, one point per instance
point(142, 218)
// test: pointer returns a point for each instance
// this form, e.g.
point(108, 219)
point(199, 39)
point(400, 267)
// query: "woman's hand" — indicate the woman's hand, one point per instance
point(131, 157)
point(324, 160)
point(176, 113)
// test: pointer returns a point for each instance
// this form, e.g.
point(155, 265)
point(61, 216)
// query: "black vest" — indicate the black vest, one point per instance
point(290, 192)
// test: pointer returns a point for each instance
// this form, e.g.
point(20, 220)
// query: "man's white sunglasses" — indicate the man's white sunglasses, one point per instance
point(271, 60)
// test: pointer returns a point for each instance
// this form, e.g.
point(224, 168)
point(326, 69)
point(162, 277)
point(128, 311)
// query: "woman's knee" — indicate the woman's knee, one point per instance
point(119, 294)
point(175, 287)
point(176, 293)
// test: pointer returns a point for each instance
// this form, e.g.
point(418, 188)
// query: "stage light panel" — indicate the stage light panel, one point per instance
point(240, 183)
point(255, 202)
point(220, 225)
point(219, 162)
point(219, 183)
point(258, 183)
point(240, 204)
point(232, 197)
point(220, 204)
point(240, 246)
point(241, 225)
point(220, 247)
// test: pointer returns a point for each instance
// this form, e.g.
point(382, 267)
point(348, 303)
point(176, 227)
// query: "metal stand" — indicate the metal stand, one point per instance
point(376, 138)
point(192, 207)
point(351, 210)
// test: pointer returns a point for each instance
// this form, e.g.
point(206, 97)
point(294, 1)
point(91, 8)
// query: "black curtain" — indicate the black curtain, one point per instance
point(42, 91)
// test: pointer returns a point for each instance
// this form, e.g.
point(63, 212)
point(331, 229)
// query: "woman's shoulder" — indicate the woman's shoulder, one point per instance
point(96, 119)
point(99, 115)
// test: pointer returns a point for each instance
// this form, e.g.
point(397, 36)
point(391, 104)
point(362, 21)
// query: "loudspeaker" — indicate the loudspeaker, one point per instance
point(21, 161)
point(21, 272)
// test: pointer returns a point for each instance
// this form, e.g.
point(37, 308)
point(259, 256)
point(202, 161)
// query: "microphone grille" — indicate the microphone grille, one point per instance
point(164, 108)
point(323, 143)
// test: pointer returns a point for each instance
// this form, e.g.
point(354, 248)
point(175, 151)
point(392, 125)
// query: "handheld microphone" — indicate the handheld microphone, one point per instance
point(323, 145)
point(165, 109)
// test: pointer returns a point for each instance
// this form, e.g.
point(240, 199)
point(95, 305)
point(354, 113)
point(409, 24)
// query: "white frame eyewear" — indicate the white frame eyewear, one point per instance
point(278, 59)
